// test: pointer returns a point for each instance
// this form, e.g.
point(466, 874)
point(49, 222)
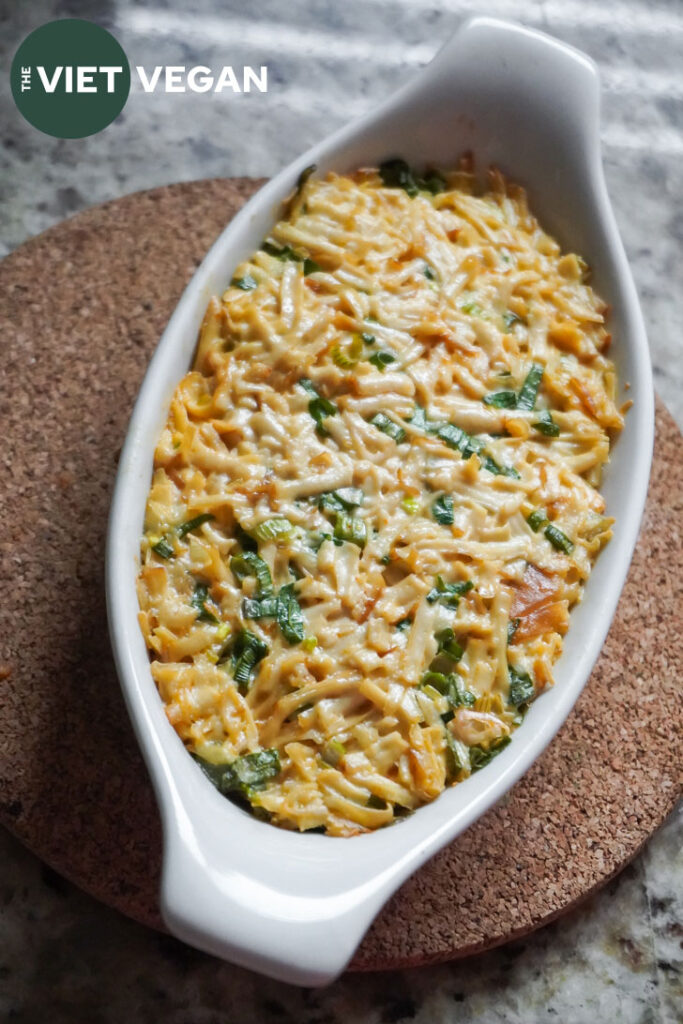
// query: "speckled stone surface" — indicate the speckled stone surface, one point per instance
point(72, 784)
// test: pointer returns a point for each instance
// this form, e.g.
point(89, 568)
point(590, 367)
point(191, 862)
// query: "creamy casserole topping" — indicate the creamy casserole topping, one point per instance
point(375, 500)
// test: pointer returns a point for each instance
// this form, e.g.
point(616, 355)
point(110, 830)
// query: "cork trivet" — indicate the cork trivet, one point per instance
point(81, 309)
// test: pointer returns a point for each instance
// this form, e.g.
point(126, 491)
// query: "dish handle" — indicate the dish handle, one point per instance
point(512, 77)
point(288, 927)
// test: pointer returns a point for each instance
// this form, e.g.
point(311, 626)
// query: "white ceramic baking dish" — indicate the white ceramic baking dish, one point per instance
point(296, 906)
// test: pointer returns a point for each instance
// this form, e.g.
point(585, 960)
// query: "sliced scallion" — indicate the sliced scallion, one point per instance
point(501, 400)
point(537, 518)
point(442, 510)
point(382, 359)
point(546, 425)
point(199, 599)
point(270, 529)
point(559, 540)
point(522, 689)
point(247, 283)
point(193, 524)
point(388, 427)
point(163, 548)
point(529, 391)
point(350, 528)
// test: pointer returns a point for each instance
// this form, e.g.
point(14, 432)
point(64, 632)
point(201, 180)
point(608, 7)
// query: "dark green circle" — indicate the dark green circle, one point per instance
point(70, 42)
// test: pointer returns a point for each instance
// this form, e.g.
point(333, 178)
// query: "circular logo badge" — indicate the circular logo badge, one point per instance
point(70, 78)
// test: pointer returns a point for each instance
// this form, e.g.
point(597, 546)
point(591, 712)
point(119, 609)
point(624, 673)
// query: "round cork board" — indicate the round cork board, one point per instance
point(81, 309)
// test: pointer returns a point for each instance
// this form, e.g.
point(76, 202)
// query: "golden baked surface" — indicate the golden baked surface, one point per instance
point(375, 500)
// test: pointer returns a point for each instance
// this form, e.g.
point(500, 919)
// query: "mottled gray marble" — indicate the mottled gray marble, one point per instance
point(64, 958)
point(618, 958)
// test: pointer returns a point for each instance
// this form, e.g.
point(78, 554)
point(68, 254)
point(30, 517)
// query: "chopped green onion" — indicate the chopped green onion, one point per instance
point(320, 408)
point(419, 419)
point(432, 182)
point(411, 505)
point(429, 273)
point(281, 252)
point(388, 427)
point(559, 540)
point(309, 644)
point(341, 500)
point(260, 607)
point(269, 529)
point(163, 548)
point(350, 528)
point(449, 686)
point(332, 752)
point(472, 308)
point(193, 524)
point(529, 390)
point(457, 757)
point(442, 510)
point(449, 593)
point(199, 599)
point(382, 359)
point(246, 283)
point(403, 625)
point(304, 176)
point(310, 266)
point(245, 775)
point(285, 252)
point(448, 645)
point(308, 386)
point(458, 439)
point(537, 518)
point(368, 339)
point(493, 467)
point(348, 355)
point(284, 607)
point(479, 757)
point(501, 400)
point(247, 651)
point(522, 689)
point(289, 615)
point(546, 425)
point(249, 564)
point(396, 173)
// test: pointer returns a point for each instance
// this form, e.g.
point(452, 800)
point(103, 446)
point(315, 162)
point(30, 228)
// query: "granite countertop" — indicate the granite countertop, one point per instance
point(64, 957)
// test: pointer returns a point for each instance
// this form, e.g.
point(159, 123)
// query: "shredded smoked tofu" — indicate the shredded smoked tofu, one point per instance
point(375, 500)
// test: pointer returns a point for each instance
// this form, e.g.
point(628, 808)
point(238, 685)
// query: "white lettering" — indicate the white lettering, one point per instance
point(111, 72)
point(174, 81)
point(149, 84)
point(259, 80)
point(68, 79)
point(227, 80)
point(200, 79)
point(49, 85)
point(84, 79)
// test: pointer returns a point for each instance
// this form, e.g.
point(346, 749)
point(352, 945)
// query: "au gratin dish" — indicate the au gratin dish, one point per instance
point(375, 499)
